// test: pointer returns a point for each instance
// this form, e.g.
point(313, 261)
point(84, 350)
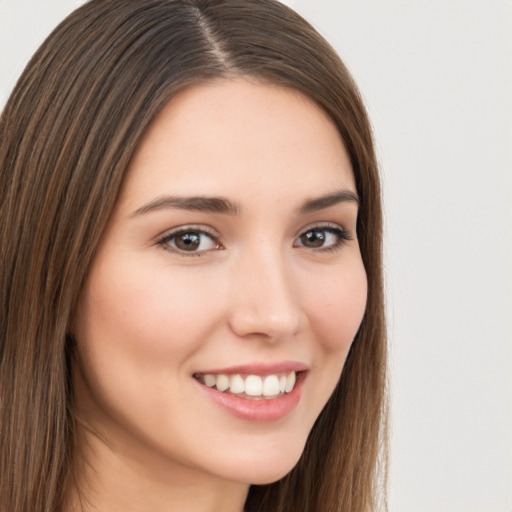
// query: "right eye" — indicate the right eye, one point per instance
point(191, 241)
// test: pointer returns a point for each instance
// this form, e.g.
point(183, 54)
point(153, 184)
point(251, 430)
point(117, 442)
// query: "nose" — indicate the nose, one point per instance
point(264, 299)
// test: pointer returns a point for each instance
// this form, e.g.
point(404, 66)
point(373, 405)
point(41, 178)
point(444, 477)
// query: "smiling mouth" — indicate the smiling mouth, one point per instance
point(251, 387)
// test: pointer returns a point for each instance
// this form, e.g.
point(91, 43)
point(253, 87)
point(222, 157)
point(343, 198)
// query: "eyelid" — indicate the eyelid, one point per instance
point(326, 225)
point(344, 235)
point(163, 239)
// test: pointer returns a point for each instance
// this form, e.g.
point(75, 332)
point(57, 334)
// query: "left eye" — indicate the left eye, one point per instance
point(190, 241)
point(322, 238)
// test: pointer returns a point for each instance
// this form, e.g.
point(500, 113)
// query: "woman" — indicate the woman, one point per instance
point(192, 310)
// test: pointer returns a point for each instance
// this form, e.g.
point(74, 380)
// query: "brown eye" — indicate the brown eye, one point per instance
point(323, 238)
point(189, 241)
point(313, 238)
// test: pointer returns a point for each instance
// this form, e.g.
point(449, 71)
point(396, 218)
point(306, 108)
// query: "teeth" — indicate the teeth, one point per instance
point(237, 385)
point(290, 382)
point(210, 380)
point(282, 383)
point(271, 385)
point(252, 385)
point(222, 382)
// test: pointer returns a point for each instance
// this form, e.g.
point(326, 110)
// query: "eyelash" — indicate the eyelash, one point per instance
point(342, 237)
point(164, 240)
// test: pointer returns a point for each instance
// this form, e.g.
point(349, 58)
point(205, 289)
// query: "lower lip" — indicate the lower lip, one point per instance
point(258, 410)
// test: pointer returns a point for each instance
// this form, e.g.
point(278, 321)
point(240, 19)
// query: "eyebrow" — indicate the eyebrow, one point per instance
point(195, 204)
point(225, 206)
point(323, 202)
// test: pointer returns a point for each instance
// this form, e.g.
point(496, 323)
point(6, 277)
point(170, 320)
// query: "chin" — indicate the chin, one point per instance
point(268, 467)
point(269, 477)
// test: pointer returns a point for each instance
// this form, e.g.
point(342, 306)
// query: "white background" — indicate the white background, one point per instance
point(437, 79)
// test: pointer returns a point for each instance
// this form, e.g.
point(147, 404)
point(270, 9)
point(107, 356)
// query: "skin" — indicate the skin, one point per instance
point(151, 316)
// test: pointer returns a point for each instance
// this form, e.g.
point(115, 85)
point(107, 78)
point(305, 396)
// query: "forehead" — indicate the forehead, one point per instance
point(235, 137)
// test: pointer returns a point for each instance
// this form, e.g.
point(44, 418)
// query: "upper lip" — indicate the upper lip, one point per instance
point(259, 368)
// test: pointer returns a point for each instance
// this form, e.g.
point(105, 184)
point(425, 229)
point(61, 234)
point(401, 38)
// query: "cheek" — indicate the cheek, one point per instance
point(336, 306)
point(145, 313)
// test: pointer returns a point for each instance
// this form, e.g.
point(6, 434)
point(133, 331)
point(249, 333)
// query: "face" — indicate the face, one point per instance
point(227, 288)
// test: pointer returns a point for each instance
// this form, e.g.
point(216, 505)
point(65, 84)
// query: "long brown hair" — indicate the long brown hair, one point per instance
point(67, 135)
